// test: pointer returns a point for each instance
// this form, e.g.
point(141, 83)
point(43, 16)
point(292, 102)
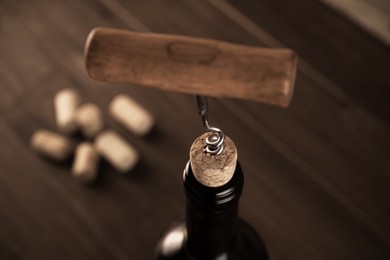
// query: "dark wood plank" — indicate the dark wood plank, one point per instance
point(330, 42)
point(307, 191)
point(372, 16)
point(18, 56)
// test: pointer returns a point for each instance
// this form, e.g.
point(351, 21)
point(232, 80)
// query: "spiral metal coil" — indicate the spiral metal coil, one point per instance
point(214, 142)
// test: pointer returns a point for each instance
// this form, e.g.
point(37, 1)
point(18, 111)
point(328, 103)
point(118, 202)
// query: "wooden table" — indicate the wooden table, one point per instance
point(317, 173)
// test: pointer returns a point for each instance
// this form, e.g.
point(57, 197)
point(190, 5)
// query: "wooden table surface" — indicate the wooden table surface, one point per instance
point(317, 173)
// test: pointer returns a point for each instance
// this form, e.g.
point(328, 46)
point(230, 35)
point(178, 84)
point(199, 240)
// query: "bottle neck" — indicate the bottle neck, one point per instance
point(211, 214)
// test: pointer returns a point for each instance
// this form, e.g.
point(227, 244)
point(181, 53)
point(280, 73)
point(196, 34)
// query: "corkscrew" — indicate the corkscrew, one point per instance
point(202, 67)
point(215, 142)
point(246, 72)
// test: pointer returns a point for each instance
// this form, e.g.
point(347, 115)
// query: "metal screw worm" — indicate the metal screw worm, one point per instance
point(215, 142)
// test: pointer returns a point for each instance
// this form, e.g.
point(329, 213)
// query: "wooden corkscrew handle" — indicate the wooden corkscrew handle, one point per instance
point(192, 65)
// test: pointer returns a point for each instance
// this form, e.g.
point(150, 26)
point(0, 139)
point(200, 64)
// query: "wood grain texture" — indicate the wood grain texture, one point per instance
point(192, 65)
point(373, 16)
point(316, 174)
point(329, 46)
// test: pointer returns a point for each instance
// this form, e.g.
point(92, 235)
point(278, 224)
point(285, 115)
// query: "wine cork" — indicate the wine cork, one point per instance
point(89, 120)
point(117, 151)
point(51, 145)
point(85, 164)
point(131, 115)
point(213, 170)
point(65, 105)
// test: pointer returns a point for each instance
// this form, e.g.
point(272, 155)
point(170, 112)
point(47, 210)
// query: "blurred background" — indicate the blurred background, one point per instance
point(317, 173)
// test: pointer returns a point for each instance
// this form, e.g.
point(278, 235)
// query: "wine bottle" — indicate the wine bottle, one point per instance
point(212, 229)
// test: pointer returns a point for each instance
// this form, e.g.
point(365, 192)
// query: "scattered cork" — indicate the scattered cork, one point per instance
point(65, 105)
point(117, 151)
point(89, 120)
point(51, 145)
point(216, 170)
point(86, 162)
point(131, 115)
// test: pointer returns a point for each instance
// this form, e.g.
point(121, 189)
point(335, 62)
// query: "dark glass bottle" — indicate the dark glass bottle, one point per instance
point(212, 230)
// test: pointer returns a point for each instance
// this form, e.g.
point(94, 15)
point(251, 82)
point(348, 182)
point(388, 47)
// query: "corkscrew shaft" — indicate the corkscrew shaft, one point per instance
point(215, 142)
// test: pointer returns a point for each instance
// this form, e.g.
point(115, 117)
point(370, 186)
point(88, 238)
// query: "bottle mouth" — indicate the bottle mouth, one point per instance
point(213, 196)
